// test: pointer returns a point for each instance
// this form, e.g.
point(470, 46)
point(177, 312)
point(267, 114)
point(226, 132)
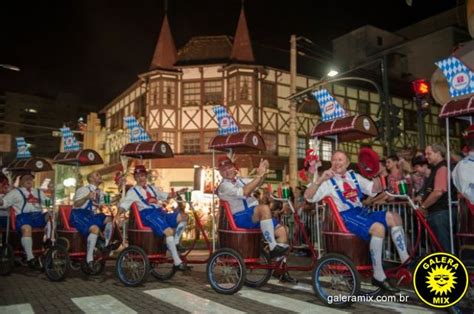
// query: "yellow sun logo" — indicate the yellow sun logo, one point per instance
point(441, 280)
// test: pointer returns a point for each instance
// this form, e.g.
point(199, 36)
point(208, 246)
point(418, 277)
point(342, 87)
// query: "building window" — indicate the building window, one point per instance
point(301, 148)
point(213, 92)
point(116, 120)
point(410, 120)
point(208, 136)
point(326, 149)
point(192, 94)
point(153, 93)
point(191, 143)
point(245, 88)
point(364, 108)
point(379, 41)
point(269, 95)
point(270, 142)
point(232, 89)
point(140, 107)
point(169, 92)
point(169, 137)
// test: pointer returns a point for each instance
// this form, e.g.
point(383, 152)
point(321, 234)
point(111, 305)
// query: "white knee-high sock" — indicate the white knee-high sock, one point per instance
point(108, 232)
point(376, 245)
point(27, 243)
point(268, 232)
point(179, 231)
point(48, 230)
point(172, 247)
point(398, 238)
point(91, 241)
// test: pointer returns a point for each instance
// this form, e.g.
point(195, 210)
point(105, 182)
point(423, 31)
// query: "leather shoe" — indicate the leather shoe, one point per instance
point(181, 267)
point(385, 285)
point(34, 264)
point(287, 278)
point(278, 251)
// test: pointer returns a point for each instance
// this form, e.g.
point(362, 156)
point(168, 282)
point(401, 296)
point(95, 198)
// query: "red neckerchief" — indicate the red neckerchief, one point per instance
point(149, 197)
point(31, 198)
point(348, 191)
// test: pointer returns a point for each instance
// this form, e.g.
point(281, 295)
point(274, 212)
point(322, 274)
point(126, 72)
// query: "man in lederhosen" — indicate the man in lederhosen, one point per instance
point(346, 189)
point(28, 204)
point(170, 225)
point(86, 218)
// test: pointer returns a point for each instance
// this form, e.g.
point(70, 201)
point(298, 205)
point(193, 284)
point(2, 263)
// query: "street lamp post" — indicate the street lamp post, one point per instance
point(384, 111)
point(293, 136)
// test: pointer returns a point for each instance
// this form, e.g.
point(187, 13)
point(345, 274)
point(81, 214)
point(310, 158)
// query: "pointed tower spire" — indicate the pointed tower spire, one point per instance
point(242, 47)
point(165, 55)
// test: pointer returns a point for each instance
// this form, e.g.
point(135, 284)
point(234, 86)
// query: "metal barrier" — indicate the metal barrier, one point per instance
point(313, 224)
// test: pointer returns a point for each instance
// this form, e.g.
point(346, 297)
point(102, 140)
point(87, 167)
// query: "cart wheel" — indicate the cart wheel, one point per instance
point(226, 271)
point(64, 242)
point(162, 269)
point(132, 267)
point(7, 260)
point(256, 277)
point(56, 263)
point(335, 276)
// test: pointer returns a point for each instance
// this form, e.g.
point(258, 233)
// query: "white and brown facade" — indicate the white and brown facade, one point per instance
point(174, 100)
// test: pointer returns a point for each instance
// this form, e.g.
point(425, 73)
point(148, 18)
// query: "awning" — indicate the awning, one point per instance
point(148, 150)
point(459, 107)
point(241, 142)
point(30, 164)
point(85, 157)
point(347, 129)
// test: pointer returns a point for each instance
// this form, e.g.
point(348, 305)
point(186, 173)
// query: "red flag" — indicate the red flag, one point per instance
point(280, 191)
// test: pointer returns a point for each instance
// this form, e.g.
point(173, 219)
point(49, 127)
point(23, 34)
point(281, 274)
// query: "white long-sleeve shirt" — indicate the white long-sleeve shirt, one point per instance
point(86, 190)
point(233, 192)
point(132, 197)
point(3, 208)
point(350, 193)
point(15, 198)
point(463, 177)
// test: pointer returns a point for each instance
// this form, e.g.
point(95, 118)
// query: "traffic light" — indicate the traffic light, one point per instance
point(421, 88)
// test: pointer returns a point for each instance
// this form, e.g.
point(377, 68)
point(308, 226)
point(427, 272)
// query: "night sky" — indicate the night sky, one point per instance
point(95, 48)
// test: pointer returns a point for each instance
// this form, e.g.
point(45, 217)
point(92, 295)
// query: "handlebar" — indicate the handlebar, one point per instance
point(405, 197)
point(284, 200)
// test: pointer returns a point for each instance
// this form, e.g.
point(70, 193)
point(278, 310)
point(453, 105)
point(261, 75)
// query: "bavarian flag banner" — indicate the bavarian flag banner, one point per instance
point(330, 108)
point(22, 148)
point(226, 123)
point(460, 77)
point(70, 142)
point(137, 132)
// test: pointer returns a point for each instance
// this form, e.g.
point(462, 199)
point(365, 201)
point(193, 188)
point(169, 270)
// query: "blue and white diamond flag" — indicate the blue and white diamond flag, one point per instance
point(226, 123)
point(70, 142)
point(22, 148)
point(460, 77)
point(330, 108)
point(137, 132)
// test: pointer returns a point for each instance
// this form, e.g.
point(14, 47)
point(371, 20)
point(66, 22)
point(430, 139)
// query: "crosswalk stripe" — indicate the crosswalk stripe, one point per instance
point(401, 308)
point(285, 303)
point(24, 308)
point(102, 304)
point(299, 286)
point(398, 307)
point(190, 302)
